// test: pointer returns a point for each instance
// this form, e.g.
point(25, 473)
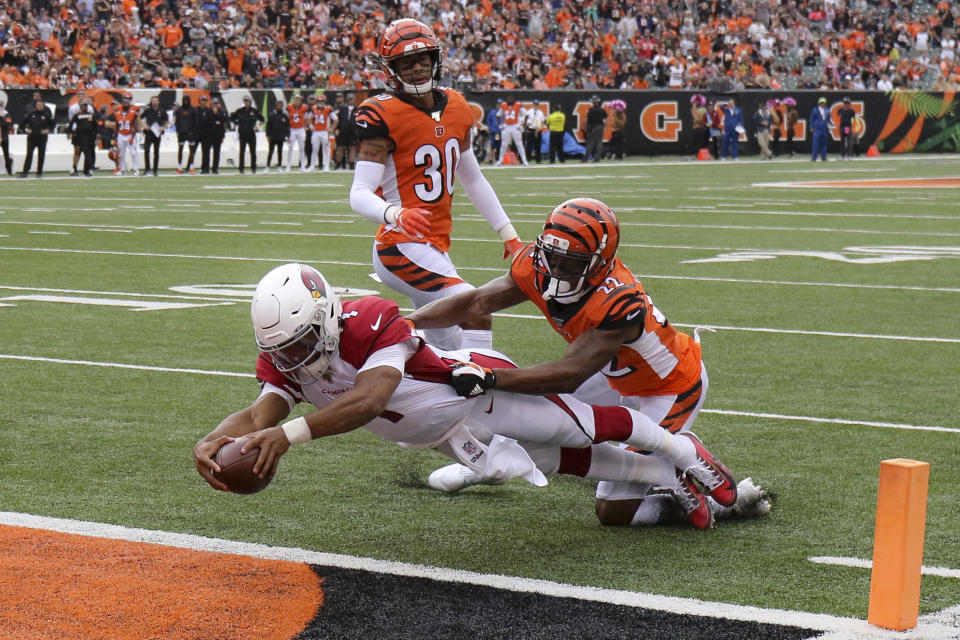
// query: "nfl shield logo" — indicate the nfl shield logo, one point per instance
point(439, 131)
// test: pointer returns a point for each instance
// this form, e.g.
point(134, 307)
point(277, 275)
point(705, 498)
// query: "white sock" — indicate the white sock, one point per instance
point(657, 509)
point(610, 462)
point(476, 339)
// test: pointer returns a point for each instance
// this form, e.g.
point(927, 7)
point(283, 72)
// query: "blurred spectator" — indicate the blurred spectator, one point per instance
point(6, 126)
point(776, 126)
point(37, 125)
point(699, 116)
point(154, 120)
point(278, 130)
point(509, 117)
point(534, 120)
point(819, 122)
point(246, 119)
point(213, 127)
point(791, 119)
point(186, 123)
point(618, 122)
point(346, 138)
point(596, 119)
point(845, 121)
point(721, 46)
point(556, 125)
point(733, 126)
point(320, 133)
point(762, 123)
point(127, 117)
point(493, 126)
point(83, 133)
point(714, 121)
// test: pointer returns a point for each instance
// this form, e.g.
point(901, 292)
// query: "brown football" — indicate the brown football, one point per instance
point(236, 469)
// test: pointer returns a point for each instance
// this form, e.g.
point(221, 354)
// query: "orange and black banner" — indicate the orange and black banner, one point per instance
point(658, 122)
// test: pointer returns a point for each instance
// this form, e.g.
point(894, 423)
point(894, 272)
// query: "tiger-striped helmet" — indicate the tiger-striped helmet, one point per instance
point(576, 249)
point(404, 38)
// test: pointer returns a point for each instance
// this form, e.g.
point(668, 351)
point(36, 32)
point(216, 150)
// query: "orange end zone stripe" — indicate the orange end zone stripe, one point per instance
point(57, 585)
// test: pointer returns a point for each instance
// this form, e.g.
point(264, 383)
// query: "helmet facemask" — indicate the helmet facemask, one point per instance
point(306, 357)
point(566, 273)
point(405, 38)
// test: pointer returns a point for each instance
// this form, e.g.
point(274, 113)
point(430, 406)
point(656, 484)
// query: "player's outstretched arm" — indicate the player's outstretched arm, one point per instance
point(268, 410)
point(585, 356)
point(497, 294)
point(355, 408)
point(485, 200)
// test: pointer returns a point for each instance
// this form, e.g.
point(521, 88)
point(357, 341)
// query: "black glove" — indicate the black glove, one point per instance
point(469, 379)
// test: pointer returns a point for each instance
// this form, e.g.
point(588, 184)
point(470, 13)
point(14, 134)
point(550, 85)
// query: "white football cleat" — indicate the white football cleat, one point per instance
point(454, 477)
point(752, 502)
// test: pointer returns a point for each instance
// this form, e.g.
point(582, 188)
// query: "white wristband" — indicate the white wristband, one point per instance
point(507, 232)
point(297, 431)
point(390, 214)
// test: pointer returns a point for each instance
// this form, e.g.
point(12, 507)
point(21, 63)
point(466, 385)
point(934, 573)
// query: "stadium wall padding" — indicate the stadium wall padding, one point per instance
point(658, 122)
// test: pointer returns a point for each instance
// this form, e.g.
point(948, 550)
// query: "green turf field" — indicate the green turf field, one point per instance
point(838, 334)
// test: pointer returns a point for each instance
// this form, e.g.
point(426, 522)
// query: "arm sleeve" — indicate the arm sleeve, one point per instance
point(363, 197)
point(479, 191)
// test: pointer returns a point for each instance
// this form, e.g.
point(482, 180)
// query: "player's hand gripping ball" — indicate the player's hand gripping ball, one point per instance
point(236, 469)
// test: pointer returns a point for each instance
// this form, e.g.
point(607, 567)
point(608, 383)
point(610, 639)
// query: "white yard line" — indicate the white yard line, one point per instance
point(860, 563)
point(765, 416)
point(664, 225)
point(846, 627)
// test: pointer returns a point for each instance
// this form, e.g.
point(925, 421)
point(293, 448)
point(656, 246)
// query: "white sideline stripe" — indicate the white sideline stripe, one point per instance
point(860, 563)
point(119, 365)
point(647, 276)
point(865, 423)
point(665, 225)
point(234, 374)
point(850, 627)
point(836, 334)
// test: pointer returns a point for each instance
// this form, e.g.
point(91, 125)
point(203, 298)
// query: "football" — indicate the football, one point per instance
point(236, 469)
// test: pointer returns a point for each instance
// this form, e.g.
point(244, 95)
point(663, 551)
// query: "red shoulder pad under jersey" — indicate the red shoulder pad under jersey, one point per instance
point(268, 373)
point(370, 324)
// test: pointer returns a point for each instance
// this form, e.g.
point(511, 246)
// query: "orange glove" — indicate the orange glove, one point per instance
point(512, 247)
point(412, 222)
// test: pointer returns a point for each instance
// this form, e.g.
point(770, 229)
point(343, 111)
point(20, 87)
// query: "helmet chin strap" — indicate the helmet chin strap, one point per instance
point(572, 294)
point(418, 90)
point(551, 289)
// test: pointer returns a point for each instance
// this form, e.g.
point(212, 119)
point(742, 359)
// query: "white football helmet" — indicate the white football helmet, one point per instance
point(296, 318)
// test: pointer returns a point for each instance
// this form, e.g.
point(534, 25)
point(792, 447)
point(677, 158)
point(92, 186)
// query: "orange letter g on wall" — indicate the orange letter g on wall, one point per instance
point(659, 121)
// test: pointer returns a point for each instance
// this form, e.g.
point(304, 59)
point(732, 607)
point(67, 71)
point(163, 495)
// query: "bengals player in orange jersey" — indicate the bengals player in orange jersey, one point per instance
point(414, 141)
point(622, 351)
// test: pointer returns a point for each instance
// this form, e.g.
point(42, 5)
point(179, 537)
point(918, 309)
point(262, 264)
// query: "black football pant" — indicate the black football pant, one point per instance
point(249, 141)
point(40, 144)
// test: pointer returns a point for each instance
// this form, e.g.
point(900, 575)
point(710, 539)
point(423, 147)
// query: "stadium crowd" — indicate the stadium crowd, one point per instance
point(720, 45)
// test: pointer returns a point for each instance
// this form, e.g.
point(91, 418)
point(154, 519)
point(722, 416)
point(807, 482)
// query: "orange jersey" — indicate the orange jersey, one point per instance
point(420, 170)
point(662, 361)
point(321, 118)
point(297, 115)
point(125, 119)
point(511, 114)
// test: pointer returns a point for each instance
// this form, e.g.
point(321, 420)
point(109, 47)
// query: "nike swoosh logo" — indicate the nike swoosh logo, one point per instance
point(362, 123)
point(490, 410)
point(631, 316)
point(376, 325)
